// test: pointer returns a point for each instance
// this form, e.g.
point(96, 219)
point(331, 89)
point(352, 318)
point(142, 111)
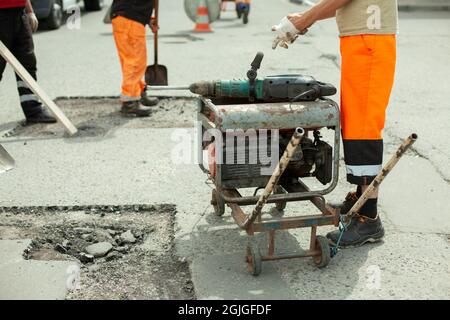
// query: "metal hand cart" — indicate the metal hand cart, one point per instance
point(305, 156)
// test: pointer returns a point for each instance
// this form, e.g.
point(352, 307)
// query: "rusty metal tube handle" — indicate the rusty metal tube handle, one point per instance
point(381, 175)
point(273, 181)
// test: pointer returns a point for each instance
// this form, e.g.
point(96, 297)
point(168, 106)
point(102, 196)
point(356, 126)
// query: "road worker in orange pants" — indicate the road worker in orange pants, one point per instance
point(368, 31)
point(129, 19)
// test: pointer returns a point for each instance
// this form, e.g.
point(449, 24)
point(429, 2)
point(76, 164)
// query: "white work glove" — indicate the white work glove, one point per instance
point(286, 33)
point(34, 23)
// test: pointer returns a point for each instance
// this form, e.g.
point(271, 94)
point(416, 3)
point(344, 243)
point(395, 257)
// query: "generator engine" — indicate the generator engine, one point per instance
point(250, 116)
point(312, 158)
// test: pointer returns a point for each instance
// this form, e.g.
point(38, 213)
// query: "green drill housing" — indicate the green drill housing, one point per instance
point(279, 88)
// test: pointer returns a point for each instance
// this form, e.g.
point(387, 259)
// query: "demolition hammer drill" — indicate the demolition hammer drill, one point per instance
point(278, 88)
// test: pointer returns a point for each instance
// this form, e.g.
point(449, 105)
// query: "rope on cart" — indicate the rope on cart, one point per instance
point(342, 227)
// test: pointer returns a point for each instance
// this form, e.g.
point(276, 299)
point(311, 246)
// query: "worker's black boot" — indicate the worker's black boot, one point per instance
point(245, 18)
point(361, 230)
point(148, 101)
point(41, 116)
point(238, 10)
point(135, 108)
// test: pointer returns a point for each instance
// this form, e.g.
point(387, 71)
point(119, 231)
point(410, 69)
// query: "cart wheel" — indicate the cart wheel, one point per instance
point(254, 259)
point(324, 258)
point(218, 203)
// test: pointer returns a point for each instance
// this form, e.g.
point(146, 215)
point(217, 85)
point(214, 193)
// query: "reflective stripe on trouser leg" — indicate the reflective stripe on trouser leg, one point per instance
point(363, 160)
point(25, 94)
point(23, 49)
point(130, 41)
point(28, 98)
point(29, 101)
point(125, 98)
point(368, 67)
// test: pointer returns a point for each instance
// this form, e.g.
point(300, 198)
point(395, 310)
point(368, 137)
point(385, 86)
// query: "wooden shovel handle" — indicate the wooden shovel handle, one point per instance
point(156, 3)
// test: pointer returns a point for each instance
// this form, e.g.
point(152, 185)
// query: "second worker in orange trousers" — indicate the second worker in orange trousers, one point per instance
point(129, 19)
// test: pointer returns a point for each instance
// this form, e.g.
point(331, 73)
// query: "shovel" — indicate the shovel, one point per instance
point(156, 75)
point(6, 161)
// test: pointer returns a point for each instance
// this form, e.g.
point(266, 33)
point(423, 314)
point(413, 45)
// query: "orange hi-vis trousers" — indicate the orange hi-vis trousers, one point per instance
point(131, 45)
point(367, 77)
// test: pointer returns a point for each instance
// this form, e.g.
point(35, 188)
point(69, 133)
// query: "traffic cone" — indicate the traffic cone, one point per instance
point(202, 20)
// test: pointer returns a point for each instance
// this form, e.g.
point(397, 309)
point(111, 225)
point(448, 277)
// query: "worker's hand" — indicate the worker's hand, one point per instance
point(34, 23)
point(154, 25)
point(286, 33)
point(300, 22)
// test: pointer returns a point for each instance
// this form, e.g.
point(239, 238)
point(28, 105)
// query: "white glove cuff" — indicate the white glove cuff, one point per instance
point(286, 26)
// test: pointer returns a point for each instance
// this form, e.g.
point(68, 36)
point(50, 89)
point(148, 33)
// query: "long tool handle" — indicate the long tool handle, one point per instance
point(156, 31)
point(381, 175)
point(273, 181)
point(37, 90)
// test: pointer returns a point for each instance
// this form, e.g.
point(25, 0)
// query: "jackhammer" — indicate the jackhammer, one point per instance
point(278, 88)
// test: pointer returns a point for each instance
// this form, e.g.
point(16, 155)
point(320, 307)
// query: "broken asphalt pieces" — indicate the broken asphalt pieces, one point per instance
point(88, 244)
point(124, 252)
point(90, 240)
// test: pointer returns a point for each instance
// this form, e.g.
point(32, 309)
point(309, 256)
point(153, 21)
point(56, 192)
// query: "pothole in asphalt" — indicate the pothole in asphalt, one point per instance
point(99, 117)
point(124, 253)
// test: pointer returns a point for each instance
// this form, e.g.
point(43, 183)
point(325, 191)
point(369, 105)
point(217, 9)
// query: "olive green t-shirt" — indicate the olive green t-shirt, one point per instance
point(368, 17)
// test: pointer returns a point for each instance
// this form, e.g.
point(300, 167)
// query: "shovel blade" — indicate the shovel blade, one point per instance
point(6, 161)
point(156, 75)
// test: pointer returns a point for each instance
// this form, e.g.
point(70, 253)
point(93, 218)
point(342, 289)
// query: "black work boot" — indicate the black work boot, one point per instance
point(148, 101)
point(42, 116)
point(135, 108)
point(360, 231)
point(238, 12)
point(245, 13)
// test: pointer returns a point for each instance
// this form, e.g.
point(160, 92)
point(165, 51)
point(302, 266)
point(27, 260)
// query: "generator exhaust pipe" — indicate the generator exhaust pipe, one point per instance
point(273, 181)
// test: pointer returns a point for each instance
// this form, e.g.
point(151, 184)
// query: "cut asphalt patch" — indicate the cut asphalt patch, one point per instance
point(100, 117)
point(140, 266)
